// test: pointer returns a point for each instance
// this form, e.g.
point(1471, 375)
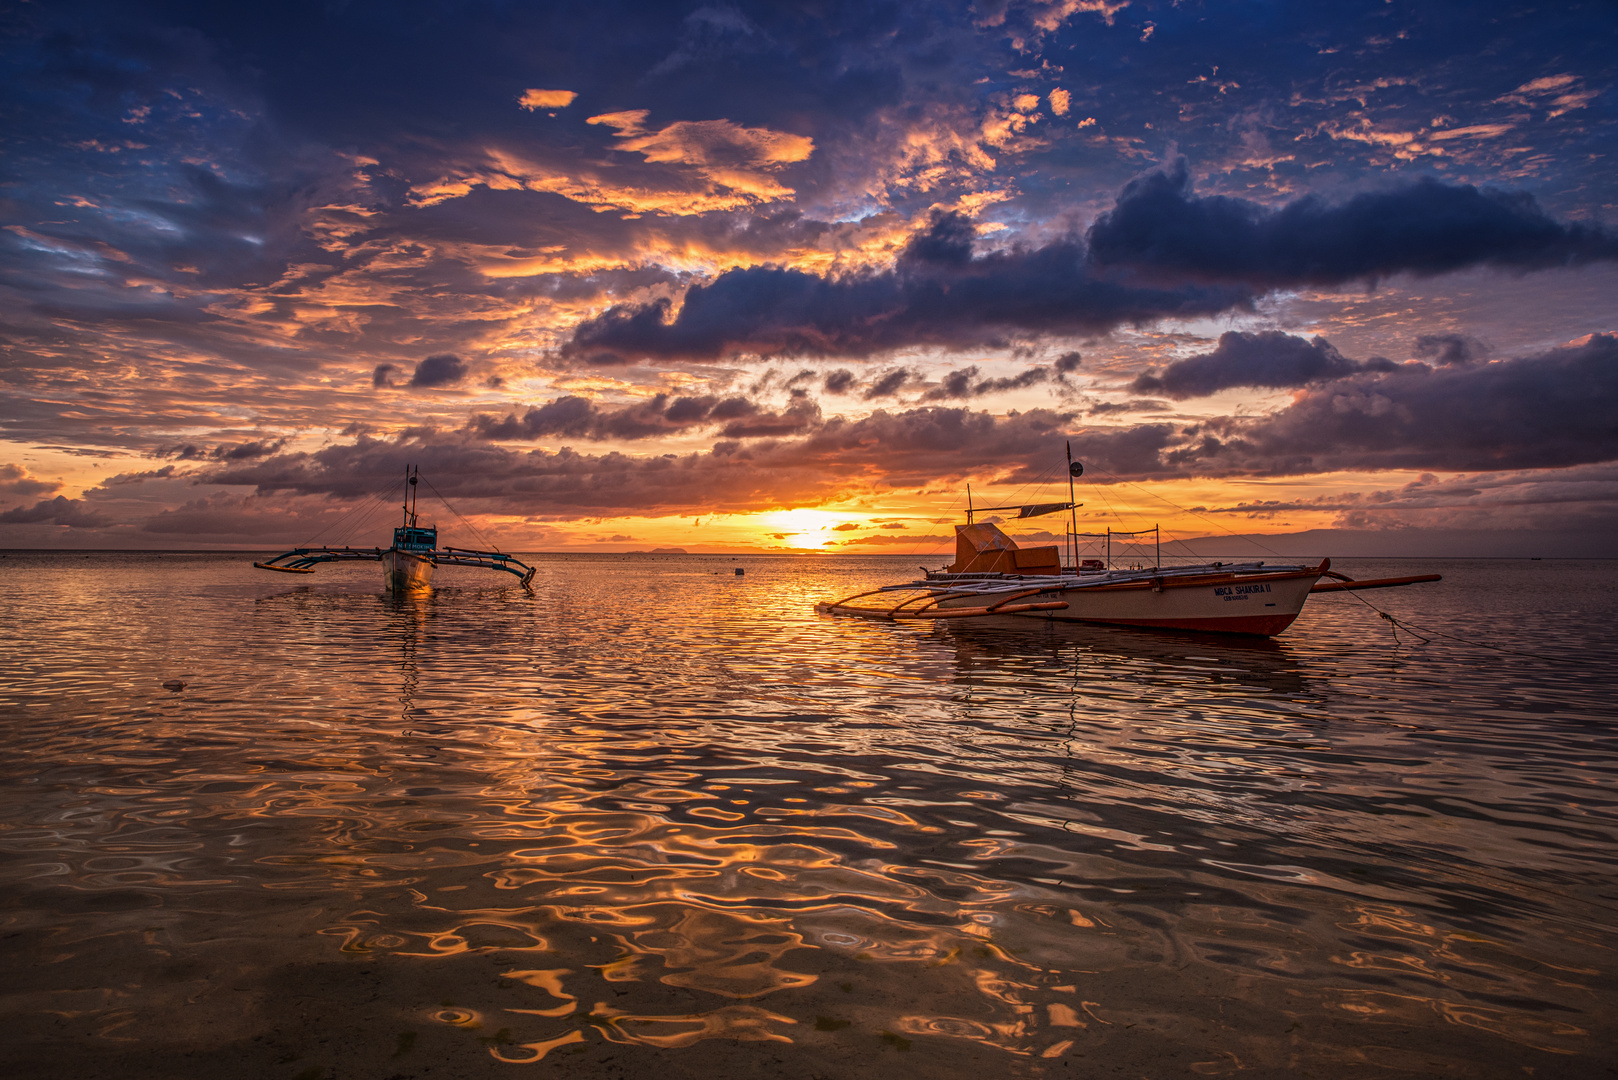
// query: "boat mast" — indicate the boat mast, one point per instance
point(1074, 469)
point(409, 498)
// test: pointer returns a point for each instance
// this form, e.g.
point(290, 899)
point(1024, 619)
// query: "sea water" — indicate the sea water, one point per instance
point(654, 818)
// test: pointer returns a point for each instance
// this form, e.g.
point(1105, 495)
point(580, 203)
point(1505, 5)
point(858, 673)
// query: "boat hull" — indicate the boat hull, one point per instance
point(403, 572)
point(1261, 605)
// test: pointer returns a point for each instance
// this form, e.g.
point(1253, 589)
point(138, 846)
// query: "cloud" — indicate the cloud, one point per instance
point(1450, 348)
point(383, 375)
point(1266, 358)
point(887, 384)
point(1559, 88)
point(15, 481)
point(126, 479)
point(735, 159)
point(715, 144)
point(1428, 227)
point(1579, 498)
point(1137, 405)
point(1066, 364)
point(1547, 411)
point(938, 294)
point(546, 99)
point(444, 369)
point(828, 459)
point(246, 451)
point(965, 383)
point(839, 381)
point(708, 35)
point(581, 418)
point(71, 513)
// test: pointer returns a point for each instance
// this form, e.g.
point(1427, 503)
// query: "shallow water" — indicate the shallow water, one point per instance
point(658, 819)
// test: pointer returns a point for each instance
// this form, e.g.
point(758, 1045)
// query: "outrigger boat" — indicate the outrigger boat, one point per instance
point(992, 576)
point(407, 566)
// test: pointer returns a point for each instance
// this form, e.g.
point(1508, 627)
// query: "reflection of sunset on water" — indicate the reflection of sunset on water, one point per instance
point(483, 826)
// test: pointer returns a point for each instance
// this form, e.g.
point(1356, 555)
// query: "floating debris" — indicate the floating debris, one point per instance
point(174, 684)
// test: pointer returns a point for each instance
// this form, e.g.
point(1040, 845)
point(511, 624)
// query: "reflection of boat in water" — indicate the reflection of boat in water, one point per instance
point(992, 577)
point(408, 564)
point(1013, 647)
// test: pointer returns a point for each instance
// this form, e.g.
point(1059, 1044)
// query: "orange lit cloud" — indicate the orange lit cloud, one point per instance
point(546, 99)
point(727, 168)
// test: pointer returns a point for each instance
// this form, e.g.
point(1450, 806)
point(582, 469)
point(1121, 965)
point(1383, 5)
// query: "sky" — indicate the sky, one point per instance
point(760, 277)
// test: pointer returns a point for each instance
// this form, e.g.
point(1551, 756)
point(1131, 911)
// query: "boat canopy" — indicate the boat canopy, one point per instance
point(983, 549)
point(415, 539)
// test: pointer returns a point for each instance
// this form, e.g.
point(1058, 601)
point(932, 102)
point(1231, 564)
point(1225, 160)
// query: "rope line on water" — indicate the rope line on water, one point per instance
point(1426, 634)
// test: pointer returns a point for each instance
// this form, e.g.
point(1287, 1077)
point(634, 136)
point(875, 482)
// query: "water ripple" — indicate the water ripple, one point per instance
point(658, 809)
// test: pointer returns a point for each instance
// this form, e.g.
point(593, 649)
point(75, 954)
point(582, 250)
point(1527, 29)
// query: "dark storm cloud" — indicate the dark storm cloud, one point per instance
point(1202, 256)
point(1066, 364)
point(1427, 227)
point(835, 457)
point(443, 369)
point(1548, 411)
point(1137, 405)
point(938, 294)
point(839, 381)
point(383, 375)
point(966, 383)
point(1554, 410)
point(887, 384)
point(1266, 358)
point(72, 513)
point(581, 418)
point(246, 451)
point(1450, 348)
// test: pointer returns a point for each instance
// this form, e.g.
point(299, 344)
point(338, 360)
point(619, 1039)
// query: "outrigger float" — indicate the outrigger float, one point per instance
point(407, 566)
point(992, 577)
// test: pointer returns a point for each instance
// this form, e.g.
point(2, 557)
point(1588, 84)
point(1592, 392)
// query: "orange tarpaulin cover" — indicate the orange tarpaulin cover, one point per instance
point(984, 549)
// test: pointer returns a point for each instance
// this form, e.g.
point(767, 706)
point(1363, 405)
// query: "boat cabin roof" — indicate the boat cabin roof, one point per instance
point(415, 538)
point(981, 548)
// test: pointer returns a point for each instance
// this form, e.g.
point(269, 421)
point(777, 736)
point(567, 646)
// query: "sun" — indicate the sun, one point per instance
point(804, 529)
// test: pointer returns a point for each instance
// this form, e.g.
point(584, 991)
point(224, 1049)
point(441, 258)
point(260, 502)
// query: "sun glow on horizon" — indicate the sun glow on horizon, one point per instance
point(802, 529)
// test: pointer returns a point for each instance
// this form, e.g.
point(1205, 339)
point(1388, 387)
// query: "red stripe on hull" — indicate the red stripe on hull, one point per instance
point(1260, 625)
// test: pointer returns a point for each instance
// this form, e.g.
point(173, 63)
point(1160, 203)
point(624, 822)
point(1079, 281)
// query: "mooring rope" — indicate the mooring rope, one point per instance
point(367, 506)
point(475, 530)
point(1426, 634)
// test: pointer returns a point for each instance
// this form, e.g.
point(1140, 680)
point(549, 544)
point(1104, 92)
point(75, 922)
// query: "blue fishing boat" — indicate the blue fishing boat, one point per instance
point(408, 563)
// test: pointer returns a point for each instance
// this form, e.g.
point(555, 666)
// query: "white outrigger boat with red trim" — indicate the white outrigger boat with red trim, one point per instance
point(993, 577)
point(407, 565)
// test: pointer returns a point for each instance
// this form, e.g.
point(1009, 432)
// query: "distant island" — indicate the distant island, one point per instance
point(661, 551)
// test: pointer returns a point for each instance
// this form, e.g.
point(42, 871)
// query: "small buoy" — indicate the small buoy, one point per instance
point(174, 684)
point(740, 571)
